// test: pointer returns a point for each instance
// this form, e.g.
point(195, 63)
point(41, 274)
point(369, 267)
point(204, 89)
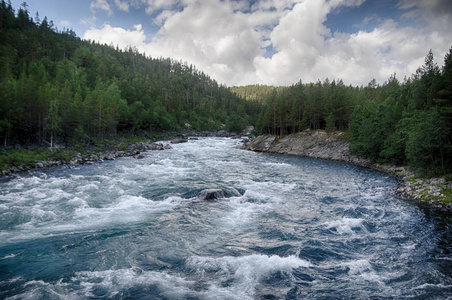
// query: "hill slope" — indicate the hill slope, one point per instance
point(55, 86)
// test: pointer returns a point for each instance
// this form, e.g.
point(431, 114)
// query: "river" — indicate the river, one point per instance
point(289, 228)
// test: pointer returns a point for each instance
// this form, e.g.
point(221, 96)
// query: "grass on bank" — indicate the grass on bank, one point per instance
point(448, 196)
point(29, 158)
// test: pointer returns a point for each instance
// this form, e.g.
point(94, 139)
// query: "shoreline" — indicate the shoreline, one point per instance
point(133, 149)
point(335, 147)
point(112, 150)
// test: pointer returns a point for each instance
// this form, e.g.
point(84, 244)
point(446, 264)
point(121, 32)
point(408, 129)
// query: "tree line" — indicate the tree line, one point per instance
point(407, 123)
point(55, 86)
point(413, 125)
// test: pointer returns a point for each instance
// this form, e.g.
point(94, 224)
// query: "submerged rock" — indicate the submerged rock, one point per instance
point(212, 194)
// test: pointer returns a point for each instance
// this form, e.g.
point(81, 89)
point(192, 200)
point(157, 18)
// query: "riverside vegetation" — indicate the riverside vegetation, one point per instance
point(58, 89)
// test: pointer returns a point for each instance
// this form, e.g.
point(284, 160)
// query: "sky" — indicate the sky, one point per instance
point(272, 42)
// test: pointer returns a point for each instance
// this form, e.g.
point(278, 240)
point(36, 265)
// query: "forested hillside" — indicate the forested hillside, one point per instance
point(55, 86)
point(321, 105)
point(400, 123)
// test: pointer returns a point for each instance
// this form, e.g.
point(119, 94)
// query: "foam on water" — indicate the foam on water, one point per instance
point(116, 283)
point(357, 266)
point(39, 216)
point(125, 210)
point(89, 186)
point(346, 225)
point(241, 275)
point(78, 203)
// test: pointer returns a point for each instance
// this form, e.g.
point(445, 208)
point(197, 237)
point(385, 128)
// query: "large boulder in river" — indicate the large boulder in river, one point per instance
point(211, 194)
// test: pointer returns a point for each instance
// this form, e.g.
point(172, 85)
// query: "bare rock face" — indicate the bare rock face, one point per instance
point(310, 143)
point(263, 143)
point(211, 194)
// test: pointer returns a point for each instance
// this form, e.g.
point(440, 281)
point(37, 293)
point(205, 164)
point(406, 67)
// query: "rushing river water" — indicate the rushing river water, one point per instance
point(291, 228)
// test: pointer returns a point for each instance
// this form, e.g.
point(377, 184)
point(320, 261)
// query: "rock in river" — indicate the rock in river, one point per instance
point(211, 194)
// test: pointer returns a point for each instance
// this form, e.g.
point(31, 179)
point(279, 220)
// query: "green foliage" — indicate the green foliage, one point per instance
point(236, 123)
point(330, 127)
point(16, 158)
point(413, 125)
point(428, 147)
point(301, 106)
point(447, 196)
point(255, 93)
point(364, 139)
point(394, 146)
point(56, 87)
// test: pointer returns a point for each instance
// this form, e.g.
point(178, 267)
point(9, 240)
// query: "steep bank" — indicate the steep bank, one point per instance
point(310, 143)
point(335, 146)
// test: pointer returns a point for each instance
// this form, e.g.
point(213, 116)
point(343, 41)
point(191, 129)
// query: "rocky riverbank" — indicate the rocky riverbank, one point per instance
point(106, 150)
point(335, 146)
point(134, 149)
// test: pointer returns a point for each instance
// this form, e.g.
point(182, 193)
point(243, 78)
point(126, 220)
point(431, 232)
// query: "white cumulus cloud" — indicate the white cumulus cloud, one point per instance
point(229, 39)
point(118, 36)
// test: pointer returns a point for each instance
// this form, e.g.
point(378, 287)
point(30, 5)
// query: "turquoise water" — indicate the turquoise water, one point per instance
point(290, 228)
